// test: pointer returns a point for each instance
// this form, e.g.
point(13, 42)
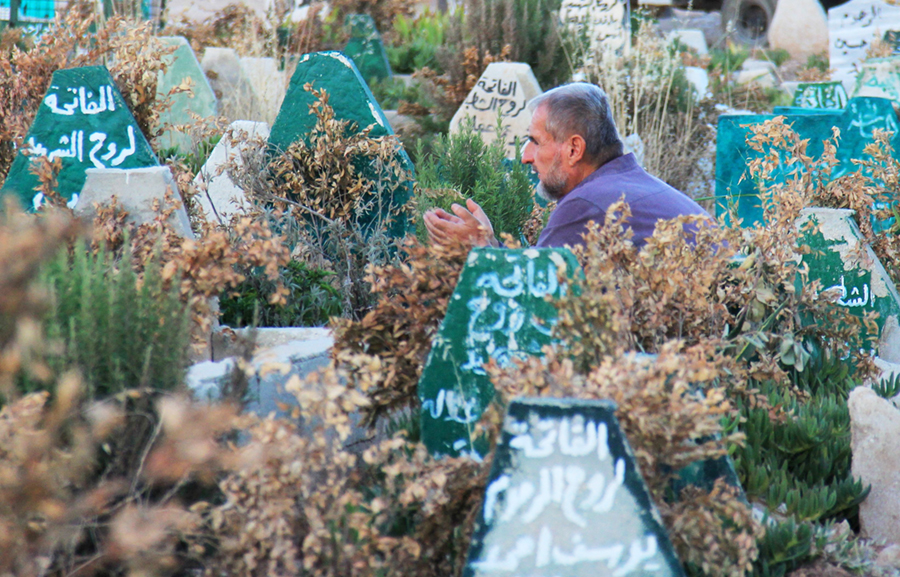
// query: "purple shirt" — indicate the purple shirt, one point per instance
point(650, 200)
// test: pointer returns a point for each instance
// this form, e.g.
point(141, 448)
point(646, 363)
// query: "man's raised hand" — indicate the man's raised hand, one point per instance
point(464, 226)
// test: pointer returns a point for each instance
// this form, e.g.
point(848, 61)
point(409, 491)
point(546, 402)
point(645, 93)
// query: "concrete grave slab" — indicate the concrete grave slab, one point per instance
point(235, 92)
point(574, 449)
point(852, 29)
point(136, 190)
point(219, 197)
point(691, 38)
point(83, 121)
point(498, 312)
point(351, 100)
point(502, 92)
point(201, 101)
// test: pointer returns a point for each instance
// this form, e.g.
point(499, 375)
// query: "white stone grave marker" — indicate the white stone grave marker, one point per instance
point(502, 91)
point(219, 197)
point(852, 29)
point(607, 23)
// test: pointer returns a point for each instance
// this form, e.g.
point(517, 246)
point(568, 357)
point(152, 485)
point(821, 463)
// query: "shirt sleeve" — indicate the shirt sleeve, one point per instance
point(569, 222)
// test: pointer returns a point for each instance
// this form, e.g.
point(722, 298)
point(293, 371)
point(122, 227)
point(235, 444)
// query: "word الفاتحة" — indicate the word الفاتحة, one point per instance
point(565, 498)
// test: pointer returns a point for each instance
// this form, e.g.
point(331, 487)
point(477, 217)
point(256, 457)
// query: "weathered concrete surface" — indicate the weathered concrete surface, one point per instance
point(136, 189)
point(875, 428)
point(218, 196)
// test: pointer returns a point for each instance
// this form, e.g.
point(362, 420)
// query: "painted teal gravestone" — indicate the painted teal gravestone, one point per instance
point(84, 122)
point(862, 286)
point(827, 95)
point(366, 48)
point(565, 497)
point(857, 122)
point(352, 100)
point(201, 101)
point(498, 311)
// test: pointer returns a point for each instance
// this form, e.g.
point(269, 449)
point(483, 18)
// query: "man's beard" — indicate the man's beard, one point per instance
point(551, 186)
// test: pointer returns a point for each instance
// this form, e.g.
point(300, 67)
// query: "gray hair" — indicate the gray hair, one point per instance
point(581, 108)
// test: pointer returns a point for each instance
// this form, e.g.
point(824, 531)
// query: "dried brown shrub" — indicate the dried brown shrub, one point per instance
point(235, 26)
point(396, 335)
point(133, 54)
point(203, 267)
point(323, 173)
point(463, 68)
point(314, 507)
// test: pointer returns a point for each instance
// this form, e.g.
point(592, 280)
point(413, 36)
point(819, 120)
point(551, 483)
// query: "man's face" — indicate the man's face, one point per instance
point(545, 155)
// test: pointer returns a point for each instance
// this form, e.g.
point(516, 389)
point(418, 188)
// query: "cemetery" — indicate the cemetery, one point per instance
point(231, 343)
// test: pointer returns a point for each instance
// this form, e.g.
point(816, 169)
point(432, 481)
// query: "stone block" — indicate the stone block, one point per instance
point(236, 95)
point(699, 79)
point(502, 92)
point(218, 196)
point(136, 189)
point(879, 77)
point(875, 428)
point(801, 28)
point(694, 39)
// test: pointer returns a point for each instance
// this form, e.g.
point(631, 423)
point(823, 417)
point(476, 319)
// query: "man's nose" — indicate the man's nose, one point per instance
point(527, 155)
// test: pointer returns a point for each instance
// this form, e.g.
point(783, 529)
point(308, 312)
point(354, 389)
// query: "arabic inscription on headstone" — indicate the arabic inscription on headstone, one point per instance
point(605, 24)
point(502, 93)
point(84, 122)
point(852, 29)
point(498, 311)
point(565, 498)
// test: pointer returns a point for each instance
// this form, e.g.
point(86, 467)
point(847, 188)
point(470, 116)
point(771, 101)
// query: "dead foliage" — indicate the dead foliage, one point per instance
point(385, 352)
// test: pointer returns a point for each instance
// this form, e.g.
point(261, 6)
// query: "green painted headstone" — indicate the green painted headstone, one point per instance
point(565, 497)
point(857, 122)
point(83, 121)
point(822, 95)
point(498, 311)
point(366, 48)
point(863, 287)
point(351, 100)
point(201, 101)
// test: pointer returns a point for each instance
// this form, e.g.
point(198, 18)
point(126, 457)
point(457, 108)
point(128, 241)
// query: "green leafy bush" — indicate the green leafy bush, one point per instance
point(121, 333)
point(416, 42)
point(462, 166)
point(311, 300)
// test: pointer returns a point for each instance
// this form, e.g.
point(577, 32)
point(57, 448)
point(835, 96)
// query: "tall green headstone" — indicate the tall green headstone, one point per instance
point(823, 95)
point(351, 100)
point(84, 121)
point(201, 101)
point(863, 286)
point(857, 122)
point(498, 311)
point(366, 48)
point(565, 497)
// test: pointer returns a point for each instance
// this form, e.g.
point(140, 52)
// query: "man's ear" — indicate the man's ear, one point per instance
point(575, 147)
